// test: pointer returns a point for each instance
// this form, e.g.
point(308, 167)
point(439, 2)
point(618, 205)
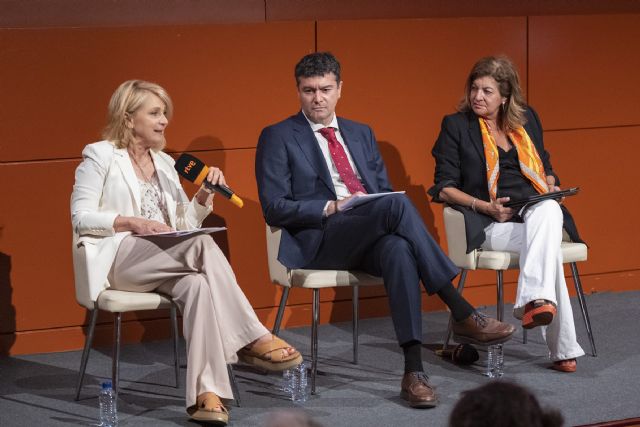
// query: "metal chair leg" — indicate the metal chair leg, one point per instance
point(283, 304)
point(463, 277)
point(356, 314)
point(87, 349)
point(234, 385)
point(175, 334)
point(314, 338)
point(115, 355)
point(500, 295)
point(583, 306)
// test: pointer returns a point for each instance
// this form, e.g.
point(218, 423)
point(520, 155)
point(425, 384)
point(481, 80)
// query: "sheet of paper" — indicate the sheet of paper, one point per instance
point(359, 200)
point(181, 233)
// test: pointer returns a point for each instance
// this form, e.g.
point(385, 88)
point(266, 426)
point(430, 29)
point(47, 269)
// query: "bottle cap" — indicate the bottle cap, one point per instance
point(106, 385)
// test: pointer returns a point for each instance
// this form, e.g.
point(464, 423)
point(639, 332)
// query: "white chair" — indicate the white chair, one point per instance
point(118, 302)
point(316, 280)
point(480, 259)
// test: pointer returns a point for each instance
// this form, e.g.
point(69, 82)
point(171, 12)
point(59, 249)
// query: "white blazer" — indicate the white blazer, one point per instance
point(106, 186)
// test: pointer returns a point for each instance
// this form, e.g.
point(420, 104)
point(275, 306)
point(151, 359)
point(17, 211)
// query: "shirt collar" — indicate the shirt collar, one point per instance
point(317, 126)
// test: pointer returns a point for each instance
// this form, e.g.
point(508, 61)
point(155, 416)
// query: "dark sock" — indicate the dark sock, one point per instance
point(412, 356)
point(460, 308)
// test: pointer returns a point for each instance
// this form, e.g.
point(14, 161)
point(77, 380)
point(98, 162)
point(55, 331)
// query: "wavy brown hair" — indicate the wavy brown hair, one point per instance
point(126, 100)
point(511, 114)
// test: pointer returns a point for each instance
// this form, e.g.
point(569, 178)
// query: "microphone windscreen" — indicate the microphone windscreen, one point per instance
point(465, 354)
point(462, 354)
point(191, 169)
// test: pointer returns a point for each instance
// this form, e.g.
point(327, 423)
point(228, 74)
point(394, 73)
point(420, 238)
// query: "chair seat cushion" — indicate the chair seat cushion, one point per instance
point(302, 278)
point(498, 260)
point(122, 301)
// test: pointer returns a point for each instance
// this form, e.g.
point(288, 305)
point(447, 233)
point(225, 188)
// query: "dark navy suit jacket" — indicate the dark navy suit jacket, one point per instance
point(294, 183)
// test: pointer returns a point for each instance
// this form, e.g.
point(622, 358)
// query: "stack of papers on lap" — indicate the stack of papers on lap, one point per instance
point(180, 233)
point(359, 200)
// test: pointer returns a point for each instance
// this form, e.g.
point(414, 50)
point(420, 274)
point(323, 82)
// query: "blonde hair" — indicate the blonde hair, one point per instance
point(511, 114)
point(126, 100)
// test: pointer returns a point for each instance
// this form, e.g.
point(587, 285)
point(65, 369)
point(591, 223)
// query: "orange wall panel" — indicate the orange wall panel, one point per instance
point(583, 70)
point(226, 82)
point(402, 76)
point(36, 235)
point(605, 210)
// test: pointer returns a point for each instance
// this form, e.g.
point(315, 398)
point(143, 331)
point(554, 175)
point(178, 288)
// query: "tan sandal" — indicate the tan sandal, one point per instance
point(205, 410)
point(270, 356)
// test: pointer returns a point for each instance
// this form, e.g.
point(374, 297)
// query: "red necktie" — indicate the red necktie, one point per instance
point(341, 162)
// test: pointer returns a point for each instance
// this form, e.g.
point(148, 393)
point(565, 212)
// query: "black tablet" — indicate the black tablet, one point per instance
point(556, 195)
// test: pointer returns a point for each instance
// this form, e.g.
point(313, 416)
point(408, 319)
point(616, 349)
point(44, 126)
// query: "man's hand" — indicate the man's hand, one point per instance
point(338, 205)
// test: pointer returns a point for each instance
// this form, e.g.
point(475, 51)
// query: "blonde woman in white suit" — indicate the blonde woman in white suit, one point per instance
point(125, 187)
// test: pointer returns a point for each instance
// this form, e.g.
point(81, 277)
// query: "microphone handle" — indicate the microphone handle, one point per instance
point(222, 189)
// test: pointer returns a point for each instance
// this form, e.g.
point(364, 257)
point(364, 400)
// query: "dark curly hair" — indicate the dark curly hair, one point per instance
point(317, 65)
point(502, 404)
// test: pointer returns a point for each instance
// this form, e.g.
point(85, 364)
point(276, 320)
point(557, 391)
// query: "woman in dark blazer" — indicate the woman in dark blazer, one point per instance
point(492, 151)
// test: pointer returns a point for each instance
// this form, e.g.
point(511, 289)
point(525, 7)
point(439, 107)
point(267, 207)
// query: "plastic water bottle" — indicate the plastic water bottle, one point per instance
point(108, 406)
point(495, 361)
point(295, 383)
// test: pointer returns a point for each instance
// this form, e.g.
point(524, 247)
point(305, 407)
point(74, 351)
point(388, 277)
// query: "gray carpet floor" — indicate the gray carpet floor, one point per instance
point(38, 390)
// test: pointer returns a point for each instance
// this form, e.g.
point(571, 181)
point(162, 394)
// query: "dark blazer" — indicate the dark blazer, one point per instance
point(294, 183)
point(461, 163)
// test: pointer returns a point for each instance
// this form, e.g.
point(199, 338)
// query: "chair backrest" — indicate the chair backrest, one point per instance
point(457, 240)
point(86, 295)
point(277, 272)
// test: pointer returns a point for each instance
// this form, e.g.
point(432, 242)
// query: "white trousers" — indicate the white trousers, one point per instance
point(538, 240)
point(218, 320)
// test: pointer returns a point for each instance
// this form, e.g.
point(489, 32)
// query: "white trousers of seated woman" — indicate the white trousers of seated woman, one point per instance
point(218, 320)
point(538, 241)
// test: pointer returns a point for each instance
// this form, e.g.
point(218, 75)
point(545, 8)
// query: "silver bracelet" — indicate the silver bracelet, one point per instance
point(473, 205)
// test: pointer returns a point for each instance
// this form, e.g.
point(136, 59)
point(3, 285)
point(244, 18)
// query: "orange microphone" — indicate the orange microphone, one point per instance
point(196, 171)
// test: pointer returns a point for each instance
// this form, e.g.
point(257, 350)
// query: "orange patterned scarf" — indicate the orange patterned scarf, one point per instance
point(530, 163)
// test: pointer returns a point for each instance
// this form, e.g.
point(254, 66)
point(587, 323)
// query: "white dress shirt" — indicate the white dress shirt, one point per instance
point(339, 186)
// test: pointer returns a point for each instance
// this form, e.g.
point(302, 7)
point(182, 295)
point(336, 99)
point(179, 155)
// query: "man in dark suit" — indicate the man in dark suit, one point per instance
point(313, 163)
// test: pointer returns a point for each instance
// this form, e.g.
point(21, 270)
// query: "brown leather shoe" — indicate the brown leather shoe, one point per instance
point(417, 391)
point(482, 330)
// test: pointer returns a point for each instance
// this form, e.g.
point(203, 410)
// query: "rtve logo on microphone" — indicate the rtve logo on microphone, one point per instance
point(189, 166)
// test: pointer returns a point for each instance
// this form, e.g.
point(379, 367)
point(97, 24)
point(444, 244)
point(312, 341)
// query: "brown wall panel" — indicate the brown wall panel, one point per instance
point(402, 76)
point(226, 81)
point(97, 13)
point(280, 10)
point(110, 13)
point(583, 70)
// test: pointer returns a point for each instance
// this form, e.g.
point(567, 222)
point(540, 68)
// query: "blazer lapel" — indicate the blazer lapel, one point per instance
point(126, 167)
point(475, 134)
point(308, 144)
point(165, 172)
point(357, 150)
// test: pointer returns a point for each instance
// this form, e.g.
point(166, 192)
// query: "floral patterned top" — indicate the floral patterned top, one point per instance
point(153, 205)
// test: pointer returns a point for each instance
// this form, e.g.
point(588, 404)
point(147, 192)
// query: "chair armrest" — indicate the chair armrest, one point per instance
point(457, 240)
